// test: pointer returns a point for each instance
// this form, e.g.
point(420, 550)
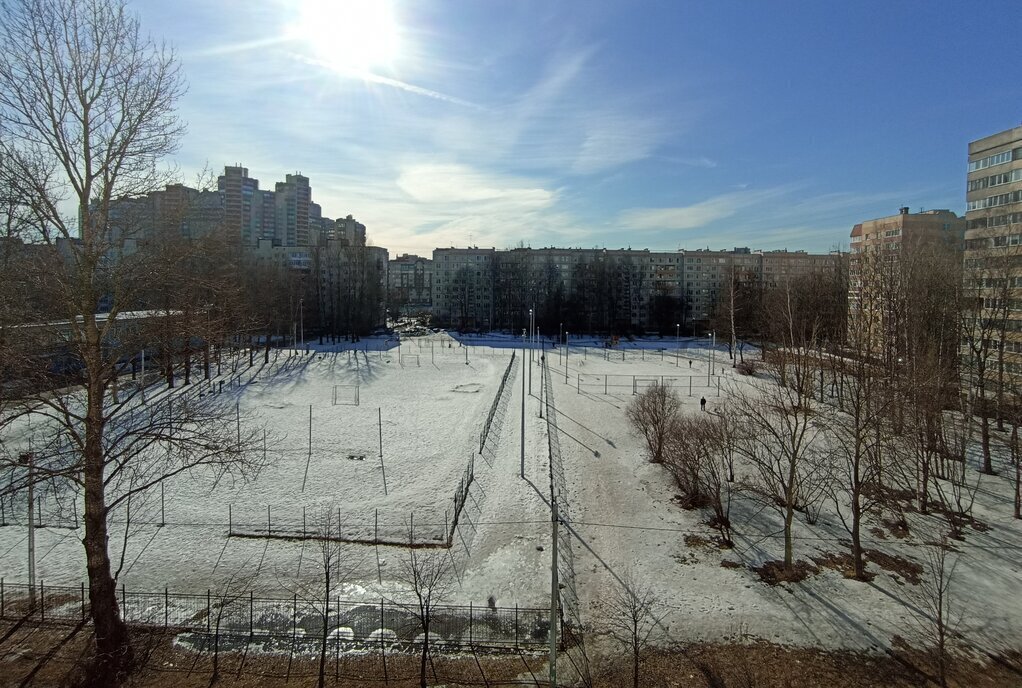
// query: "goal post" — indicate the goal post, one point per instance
point(345, 395)
point(641, 383)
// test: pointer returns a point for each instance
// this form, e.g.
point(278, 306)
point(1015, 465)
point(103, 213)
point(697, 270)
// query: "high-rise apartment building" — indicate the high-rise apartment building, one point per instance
point(243, 215)
point(993, 238)
point(293, 197)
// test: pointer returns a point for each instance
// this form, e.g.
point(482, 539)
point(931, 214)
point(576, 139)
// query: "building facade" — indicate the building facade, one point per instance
point(597, 290)
point(884, 251)
point(410, 285)
point(993, 245)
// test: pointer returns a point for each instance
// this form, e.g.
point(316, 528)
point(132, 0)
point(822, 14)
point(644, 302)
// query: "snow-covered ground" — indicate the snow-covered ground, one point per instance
point(621, 505)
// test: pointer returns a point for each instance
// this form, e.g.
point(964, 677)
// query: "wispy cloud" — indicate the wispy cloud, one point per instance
point(372, 78)
point(695, 215)
point(615, 138)
point(438, 183)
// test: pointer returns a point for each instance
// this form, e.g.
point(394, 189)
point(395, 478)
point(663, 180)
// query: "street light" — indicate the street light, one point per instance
point(677, 343)
point(530, 350)
point(567, 350)
point(522, 473)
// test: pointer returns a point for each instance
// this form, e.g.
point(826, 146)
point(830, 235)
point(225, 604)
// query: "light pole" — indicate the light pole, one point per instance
point(713, 347)
point(677, 343)
point(567, 351)
point(530, 351)
point(523, 404)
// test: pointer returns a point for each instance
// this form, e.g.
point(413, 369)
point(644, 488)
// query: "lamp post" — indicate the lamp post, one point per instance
point(530, 350)
point(677, 343)
point(523, 404)
point(567, 351)
point(713, 347)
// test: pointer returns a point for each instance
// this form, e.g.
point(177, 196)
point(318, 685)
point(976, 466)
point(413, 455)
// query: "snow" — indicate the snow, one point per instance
point(621, 505)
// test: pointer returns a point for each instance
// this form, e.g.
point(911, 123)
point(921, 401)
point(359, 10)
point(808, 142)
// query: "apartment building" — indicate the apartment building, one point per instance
point(882, 250)
point(463, 287)
point(993, 239)
point(599, 289)
point(410, 284)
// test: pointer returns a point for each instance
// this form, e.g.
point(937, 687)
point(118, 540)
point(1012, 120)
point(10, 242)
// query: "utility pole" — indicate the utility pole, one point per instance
point(542, 380)
point(530, 350)
point(554, 595)
point(567, 350)
point(523, 405)
point(713, 347)
point(26, 460)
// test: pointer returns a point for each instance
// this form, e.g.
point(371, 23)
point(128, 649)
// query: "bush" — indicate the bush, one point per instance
point(746, 368)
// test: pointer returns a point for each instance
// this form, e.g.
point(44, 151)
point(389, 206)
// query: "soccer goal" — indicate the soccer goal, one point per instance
point(640, 384)
point(409, 359)
point(345, 395)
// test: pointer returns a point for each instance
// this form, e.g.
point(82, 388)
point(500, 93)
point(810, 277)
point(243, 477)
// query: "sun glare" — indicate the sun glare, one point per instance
point(355, 36)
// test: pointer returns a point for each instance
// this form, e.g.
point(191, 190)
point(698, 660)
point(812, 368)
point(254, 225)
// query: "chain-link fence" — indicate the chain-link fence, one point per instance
point(243, 616)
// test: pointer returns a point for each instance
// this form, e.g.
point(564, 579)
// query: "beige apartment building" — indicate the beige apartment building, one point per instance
point(993, 238)
point(881, 250)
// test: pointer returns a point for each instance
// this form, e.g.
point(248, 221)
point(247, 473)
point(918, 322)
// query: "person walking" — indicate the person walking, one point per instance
point(702, 404)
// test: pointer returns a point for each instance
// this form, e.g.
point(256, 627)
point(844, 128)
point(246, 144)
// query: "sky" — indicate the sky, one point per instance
point(660, 125)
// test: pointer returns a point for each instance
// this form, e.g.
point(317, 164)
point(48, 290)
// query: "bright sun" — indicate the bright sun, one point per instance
point(348, 35)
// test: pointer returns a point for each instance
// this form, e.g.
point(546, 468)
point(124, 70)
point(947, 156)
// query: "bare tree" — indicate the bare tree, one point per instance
point(238, 586)
point(688, 453)
point(939, 617)
point(652, 414)
point(635, 618)
point(428, 573)
point(87, 107)
point(781, 419)
point(860, 432)
point(337, 565)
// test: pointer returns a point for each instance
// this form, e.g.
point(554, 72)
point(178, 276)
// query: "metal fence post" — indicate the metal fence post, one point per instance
point(42, 601)
point(83, 601)
point(209, 608)
point(166, 607)
point(470, 623)
point(1, 598)
point(516, 625)
point(251, 613)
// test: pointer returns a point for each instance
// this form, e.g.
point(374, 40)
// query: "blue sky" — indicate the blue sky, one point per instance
point(657, 125)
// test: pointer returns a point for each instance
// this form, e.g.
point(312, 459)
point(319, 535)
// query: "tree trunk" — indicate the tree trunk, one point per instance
point(984, 427)
point(789, 515)
point(205, 360)
point(1017, 460)
point(425, 654)
point(326, 627)
point(860, 568)
point(635, 659)
point(113, 649)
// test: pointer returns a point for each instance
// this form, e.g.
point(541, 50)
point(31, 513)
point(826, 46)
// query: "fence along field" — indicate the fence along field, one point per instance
point(288, 623)
point(331, 453)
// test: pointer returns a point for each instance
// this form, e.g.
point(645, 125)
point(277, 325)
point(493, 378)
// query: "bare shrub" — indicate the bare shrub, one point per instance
point(652, 414)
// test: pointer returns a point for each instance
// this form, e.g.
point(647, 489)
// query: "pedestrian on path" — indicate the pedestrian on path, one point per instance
point(702, 404)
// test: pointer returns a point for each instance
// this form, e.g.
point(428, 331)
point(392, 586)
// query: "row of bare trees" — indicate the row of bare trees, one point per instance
point(872, 422)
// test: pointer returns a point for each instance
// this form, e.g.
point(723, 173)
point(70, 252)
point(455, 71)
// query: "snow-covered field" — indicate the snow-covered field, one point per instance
point(621, 506)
